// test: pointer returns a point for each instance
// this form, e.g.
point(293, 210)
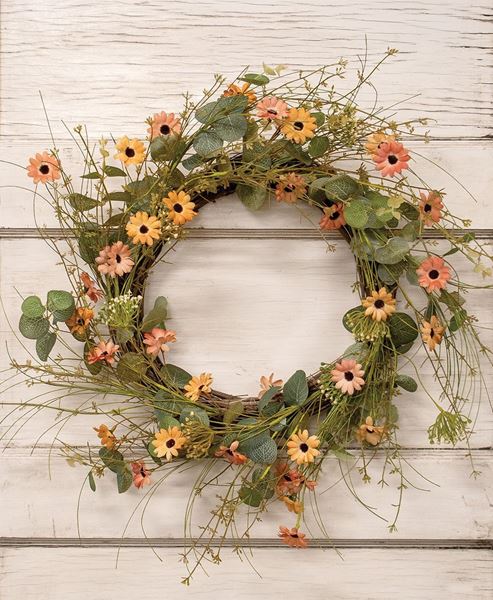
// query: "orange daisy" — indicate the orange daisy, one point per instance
point(333, 217)
point(103, 352)
point(141, 475)
point(235, 90)
point(115, 260)
point(106, 436)
point(143, 229)
point(293, 537)
point(432, 332)
point(290, 187)
point(292, 505)
point(164, 124)
point(433, 274)
point(130, 152)
point(430, 207)
point(299, 126)
point(80, 320)
point(167, 442)
point(271, 108)
point(180, 207)
point(370, 433)
point(198, 386)
point(231, 454)
point(391, 158)
point(267, 382)
point(380, 305)
point(90, 289)
point(375, 140)
point(43, 168)
point(302, 447)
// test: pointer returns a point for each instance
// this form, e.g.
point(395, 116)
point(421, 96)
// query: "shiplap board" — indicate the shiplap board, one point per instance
point(241, 309)
point(111, 64)
point(376, 574)
point(450, 505)
point(461, 169)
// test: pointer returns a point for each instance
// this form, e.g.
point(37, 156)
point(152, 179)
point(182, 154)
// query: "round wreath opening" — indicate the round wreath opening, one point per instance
point(270, 138)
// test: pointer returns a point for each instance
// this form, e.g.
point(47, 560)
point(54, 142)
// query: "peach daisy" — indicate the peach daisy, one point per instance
point(293, 537)
point(231, 454)
point(198, 386)
point(375, 140)
point(266, 382)
point(432, 332)
point(180, 207)
point(164, 124)
point(430, 207)
point(130, 152)
point(348, 376)
point(106, 436)
point(157, 340)
point(370, 433)
point(290, 187)
point(290, 481)
point(302, 447)
point(143, 229)
point(43, 168)
point(103, 352)
point(90, 289)
point(433, 273)
point(292, 505)
point(299, 126)
point(391, 158)
point(235, 90)
point(141, 475)
point(333, 217)
point(80, 320)
point(380, 305)
point(167, 442)
point(272, 108)
point(115, 260)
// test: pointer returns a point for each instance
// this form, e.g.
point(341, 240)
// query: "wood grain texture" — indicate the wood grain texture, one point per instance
point(111, 64)
point(79, 573)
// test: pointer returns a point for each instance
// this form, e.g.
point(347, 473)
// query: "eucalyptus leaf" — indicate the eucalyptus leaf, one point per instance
point(176, 375)
point(157, 315)
point(112, 459)
point(392, 252)
point(33, 329)
point(131, 367)
point(406, 383)
point(341, 187)
point(255, 78)
point(81, 202)
point(318, 146)
point(112, 171)
point(252, 197)
point(403, 329)
point(44, 345)
point(207, 143)
point(356, 214)
point(231, 128)
point(124, 479)
point(32, 307)
point(235, 409)
point(295, 390)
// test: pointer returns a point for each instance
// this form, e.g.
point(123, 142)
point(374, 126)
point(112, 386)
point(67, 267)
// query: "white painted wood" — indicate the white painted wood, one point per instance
point(79, 573)
point(111, 64)
point(454, 506)
point(469, 162)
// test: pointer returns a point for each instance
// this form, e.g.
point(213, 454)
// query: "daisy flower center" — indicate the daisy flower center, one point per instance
point(348, 376)
point(427, 207)
point(118, 258)
point(433, 274)
point(392, 159)
point(304, 447)
point(144, 229)
point(379, 303)
point(130, 152)
point(80, 321)
point(44, 169)
point(298, 125)
point(289, 188)
point(165, 129)
point(335, 215)
point(178, 208)
point(170, 443)
point(272, 111)
point(432, 333)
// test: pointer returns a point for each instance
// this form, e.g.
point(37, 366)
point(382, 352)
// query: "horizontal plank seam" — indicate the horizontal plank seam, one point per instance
point(431, 544)
point(233, 233)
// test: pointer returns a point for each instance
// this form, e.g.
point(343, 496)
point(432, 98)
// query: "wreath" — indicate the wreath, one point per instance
point(271, 137)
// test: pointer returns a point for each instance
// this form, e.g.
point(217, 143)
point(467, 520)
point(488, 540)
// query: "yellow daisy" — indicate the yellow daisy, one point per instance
point(235, 90)
point(180, 207)
point(379, 305)
point(299, 126)
point(432, 332)
point(198, 386)
point(130, 152)
point(302, 447)
point(143, 229)
point(167, 442)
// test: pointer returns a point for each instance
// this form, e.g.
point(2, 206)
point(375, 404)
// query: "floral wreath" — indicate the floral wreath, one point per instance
point(288, 138)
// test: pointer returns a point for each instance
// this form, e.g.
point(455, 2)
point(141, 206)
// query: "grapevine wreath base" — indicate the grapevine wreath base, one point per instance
point(268, 137)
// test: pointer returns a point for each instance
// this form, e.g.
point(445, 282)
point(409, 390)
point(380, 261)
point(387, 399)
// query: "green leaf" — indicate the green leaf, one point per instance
point(32, 307)
point(116, 220)
point(255, 492)
point(265, 453)
point(92, 483)
point(176, 375)
point(410, 232)
point(192, 162)
point(255, 78)
point(117, 197)
point(44, 345)
point(403, 330)
point(32, 329)
point(406, 383)
point(194, 413)
point(252, 197)
point(124, 479)
point(356, 214)
point(347, 317)
point(111, 459)
point(112, 171)
point(341, 187)
point(207, 143)
point(393, 252)
point(92, 175)
point(157, 315)
point(165, 421)
point(131, 367)
point(319, 118)
point(316, 191)
point(452, 300)
point(167, 147)
point(152, 453)
point(295, 390)
point(212, 111)
point(234, 410)
point(231, 128)
point(457, 320)
point(267, 397)
point(297, 152)
point(61, 304)
point(318, 146)
point(81, 203)
point(409, 211)
point(390, 274)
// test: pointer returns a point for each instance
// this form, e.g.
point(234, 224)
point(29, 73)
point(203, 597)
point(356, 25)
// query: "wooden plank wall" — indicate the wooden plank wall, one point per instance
point(266, 285)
